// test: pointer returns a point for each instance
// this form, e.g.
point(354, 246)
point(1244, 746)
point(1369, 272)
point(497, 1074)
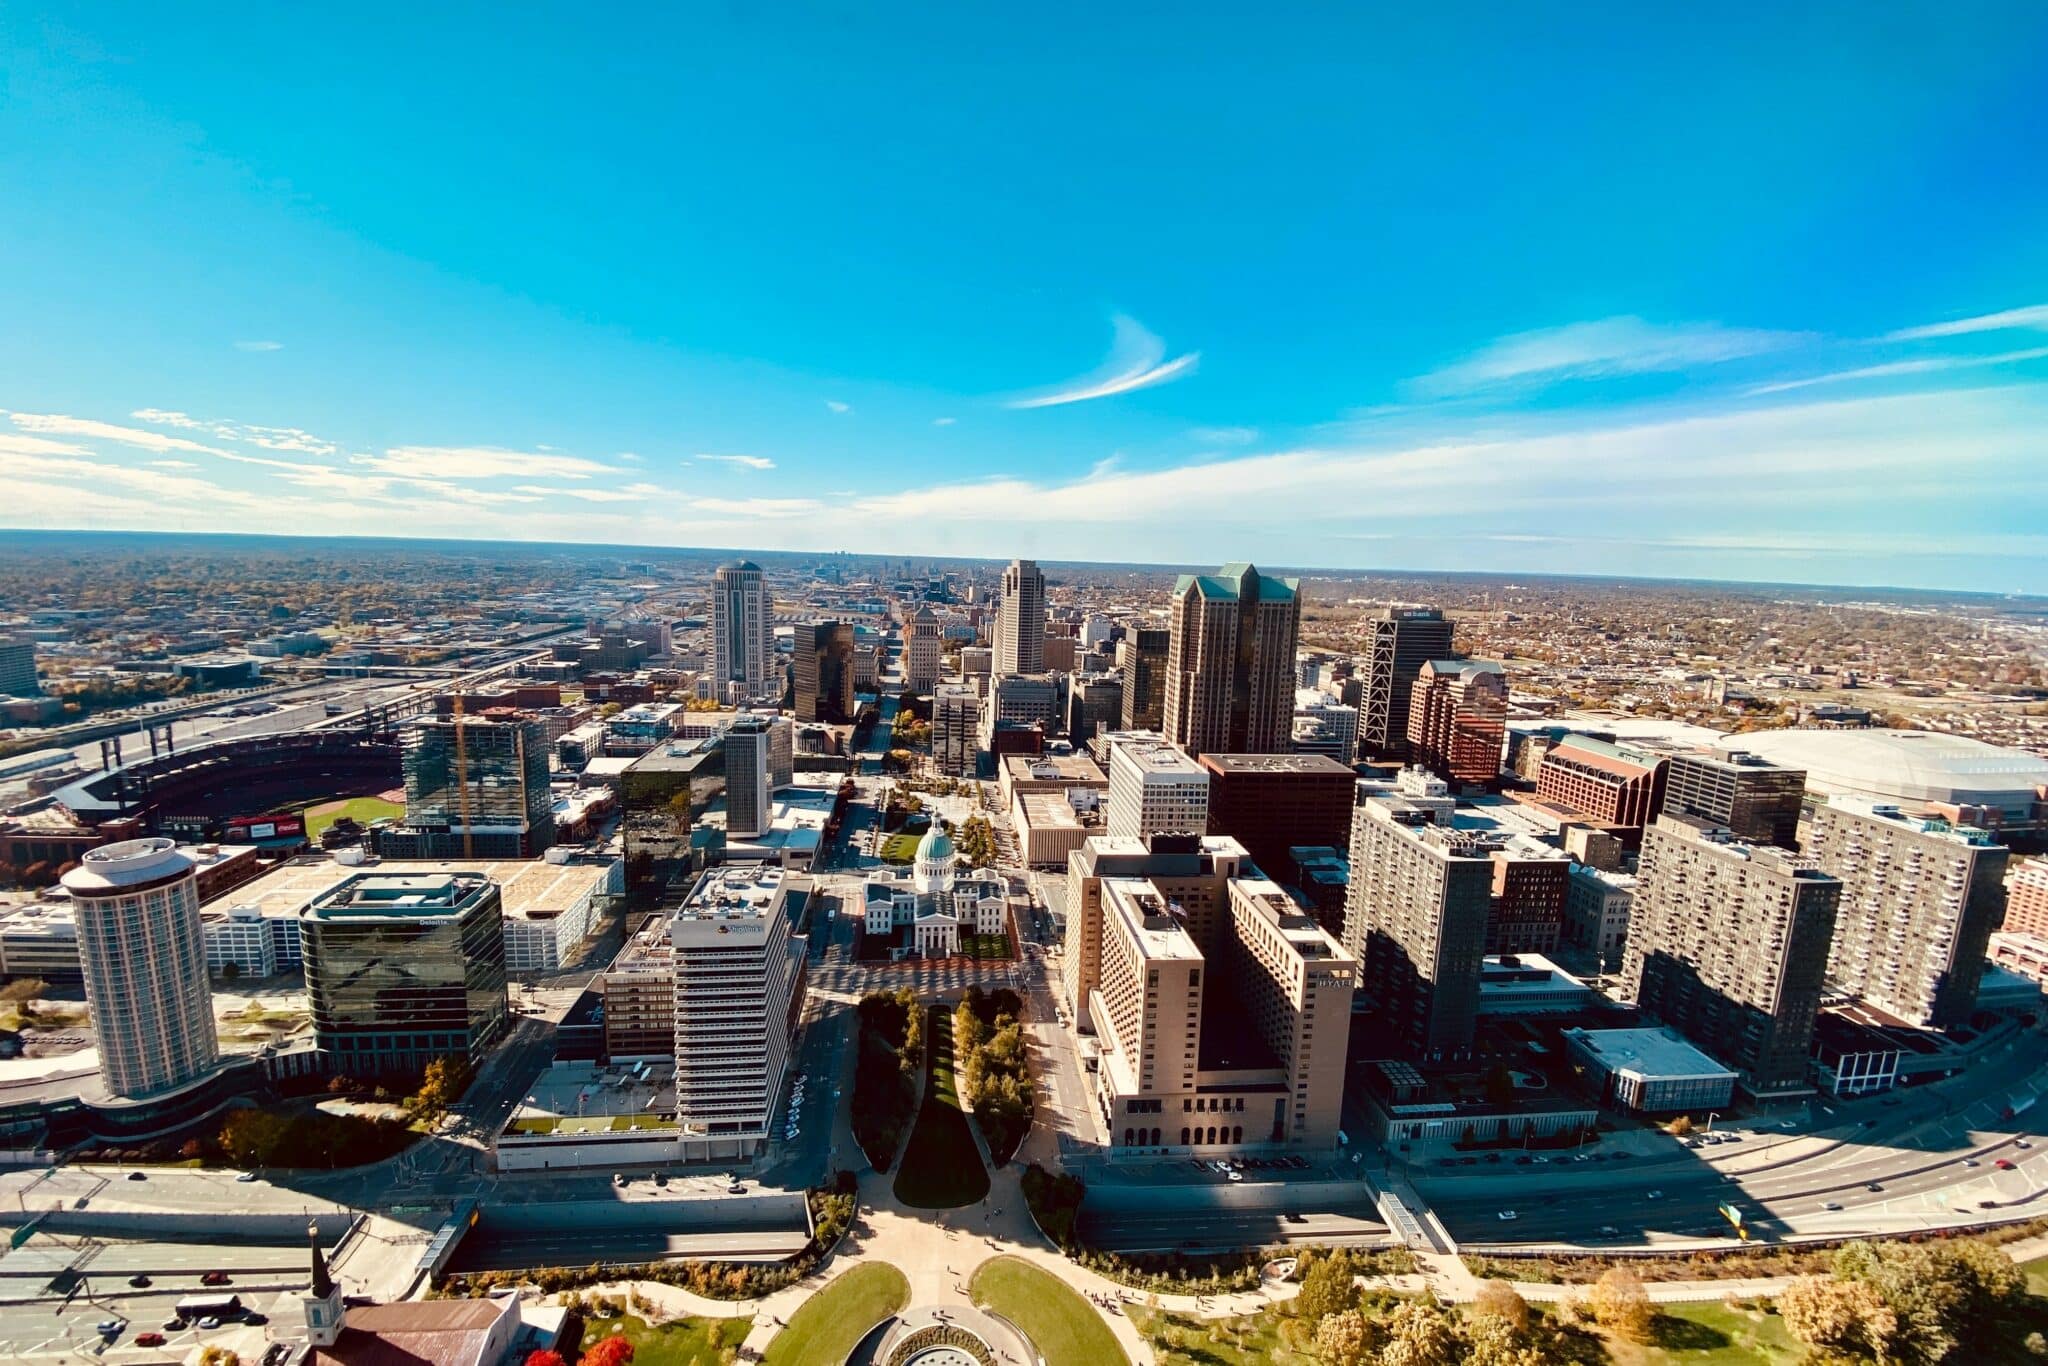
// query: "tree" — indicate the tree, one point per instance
point(1621, 1305)
point(1680, 1127)
point(1348, 1338)
point(1943, 1295)
point(230, 972)
point(544, 1357)
point(1489, 1341)
point(1498, 1085)
point(22, 990)
point(611, 1351)
point(1843, 1317)
point(1420, 1333)
point(1326, 1287)
point(1498, 1299)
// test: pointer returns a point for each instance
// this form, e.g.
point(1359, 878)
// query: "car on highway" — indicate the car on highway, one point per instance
point(736, 1189)
point(1653, 1195)
point(209, 1322)
point(138, 1176)
point(1872, 1186)
point(140, 1282)
point(1506, 1215)
point(216, 1278)
point(1235, 1176)
point(246, 1177)
point(110, 1328)
point(1832, 1205)
point(1971, 1162)
point(2003, 1164)
point(2021, 1143)
point(174, 1325)
point(150, 1339)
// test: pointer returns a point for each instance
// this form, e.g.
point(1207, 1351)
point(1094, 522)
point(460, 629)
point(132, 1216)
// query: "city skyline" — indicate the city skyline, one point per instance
point(748, 309)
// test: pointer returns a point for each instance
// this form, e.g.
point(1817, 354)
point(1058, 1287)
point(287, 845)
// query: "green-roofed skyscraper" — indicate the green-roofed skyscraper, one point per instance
point(1230, 664)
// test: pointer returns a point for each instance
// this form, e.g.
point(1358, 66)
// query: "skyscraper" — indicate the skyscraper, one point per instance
point(1415, 918)
point(823, 672)
point(18, 668)
point(749, 790)
point(136, 908)
point(1403, 640)
point(1920, 899)
point(1020, 636)
point(742, 631)
point(956, 718)
point(1230, 662)
point(1141, 659)
point(475, 787)
point(1457, 719)
point(921, 651)
point(1155, 789)
point(1728, 942)
point(1756, 800)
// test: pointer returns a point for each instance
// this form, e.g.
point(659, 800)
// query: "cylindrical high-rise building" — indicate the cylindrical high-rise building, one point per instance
point(144, 957)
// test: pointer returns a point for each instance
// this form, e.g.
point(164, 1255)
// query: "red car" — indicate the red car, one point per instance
point(150, 1339)
point(2003, 1165)
point(215, 1278)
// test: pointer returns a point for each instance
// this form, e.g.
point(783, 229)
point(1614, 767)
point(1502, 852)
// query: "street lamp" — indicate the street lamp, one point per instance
point(1711, 1115)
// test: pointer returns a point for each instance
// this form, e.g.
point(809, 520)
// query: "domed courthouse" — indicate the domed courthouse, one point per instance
point(926, 907)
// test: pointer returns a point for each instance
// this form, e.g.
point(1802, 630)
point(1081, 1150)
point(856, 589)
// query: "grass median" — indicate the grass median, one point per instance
point(1063, 1326)
point(832, 1322)
point(941, 1167)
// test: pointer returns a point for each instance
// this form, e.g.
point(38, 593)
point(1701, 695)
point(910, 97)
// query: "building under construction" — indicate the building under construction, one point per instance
point(475, 787)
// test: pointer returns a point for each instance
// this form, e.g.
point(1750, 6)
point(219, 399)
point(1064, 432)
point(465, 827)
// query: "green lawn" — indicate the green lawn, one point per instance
point(832, 1322)
point(1711, 1334)
point(1064, 1327)
point(941, 1167)
point(1186, 1340)
point(679, 1342)
point(361, 810)
point(900, 848)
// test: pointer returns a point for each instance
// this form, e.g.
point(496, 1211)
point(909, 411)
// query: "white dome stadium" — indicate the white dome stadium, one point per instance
point(1906, 766)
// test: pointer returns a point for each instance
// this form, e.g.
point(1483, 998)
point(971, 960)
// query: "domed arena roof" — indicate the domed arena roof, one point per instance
point(1903, 766)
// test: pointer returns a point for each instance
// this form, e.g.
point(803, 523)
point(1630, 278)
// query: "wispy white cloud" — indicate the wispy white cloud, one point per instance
point(479, 462)
point(631, 493)
point(1224, 436)
point(1105, 465)
point(751, 462)
point(58, 424)
point(1602, 349)
point(14, 443)
point(943, 421)
point(1890, 369)
point(172, 464)
point(837, 406)
point(1137, 360)
point(268, 438)
point(2033, 315)
point(259, 346)
point(630, 457)
point(766, 508)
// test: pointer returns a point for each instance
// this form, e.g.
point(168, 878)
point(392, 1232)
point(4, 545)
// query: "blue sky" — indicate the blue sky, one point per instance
point(1741, 294)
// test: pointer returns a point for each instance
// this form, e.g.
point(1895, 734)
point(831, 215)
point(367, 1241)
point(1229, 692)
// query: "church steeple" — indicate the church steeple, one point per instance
point(324, 1308)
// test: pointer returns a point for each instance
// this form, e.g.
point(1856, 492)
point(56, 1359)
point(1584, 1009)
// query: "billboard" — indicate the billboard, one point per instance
point(262, 829)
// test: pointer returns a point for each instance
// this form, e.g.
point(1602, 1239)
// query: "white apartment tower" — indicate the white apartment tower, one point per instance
point(736, 975)
point(1020, 639)
point(921, 651)
point(136, 906)
point(1155, 788)
point(742, 631)
point(749, 787)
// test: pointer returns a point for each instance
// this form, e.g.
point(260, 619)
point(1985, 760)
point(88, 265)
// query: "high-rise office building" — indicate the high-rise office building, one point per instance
point(742, 632)
point(1020, 630)
point(475, 787)
point(1271, 803)
point(1215, 1048)
point(1600, 780)
point(1403, 640)
point(405, 968)
point(1095, 702)
point(1728, 943)
point(1016, 700)
point(1415, 918)
point(1192, 871)
point(1757, 801)
point(738, 991)
point(1596, 909)
point(921, 651)
point(2026, 909)
point(1155, 789)
point(781, 752)
point(1323, 725)
point(18, 668)
point(135, 908)
point(1920, 899)
point(1457, 719)
point(956, 722)
point(1141, 659)
point(823, 672)
point(1230, 662)
point(749, 788)
point(1531, 881)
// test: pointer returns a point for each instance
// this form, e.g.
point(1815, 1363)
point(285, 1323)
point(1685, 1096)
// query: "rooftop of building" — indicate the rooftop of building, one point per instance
point(1890, 813)
point(1600, 756)
point(113, 868)
point(1275, 763)
point(1237, 581)
point(1649, 1053)
point(1165, 845)
point(733, 892)
point(1903, 763)
point(1518, 974)
point(1048, 768)
point(1150, 919)
point(406, 896)
point(1302, 931)
point(1463, 668)
point(1159, 759)
point(535, 889)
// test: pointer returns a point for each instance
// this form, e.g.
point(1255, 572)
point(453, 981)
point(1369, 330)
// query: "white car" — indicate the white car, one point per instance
point(1506, 1215)
point(1832, 1205)
point(1235, 1176)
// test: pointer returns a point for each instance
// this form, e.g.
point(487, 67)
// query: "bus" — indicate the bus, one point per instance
point(193, 1308)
